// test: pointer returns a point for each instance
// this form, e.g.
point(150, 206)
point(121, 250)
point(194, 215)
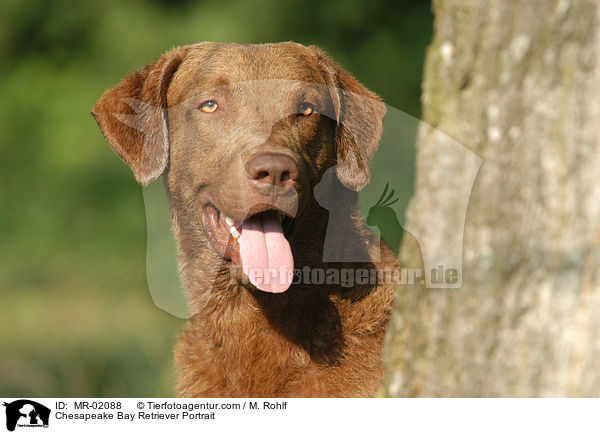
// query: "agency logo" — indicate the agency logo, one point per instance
point(384, 217)
point(26, 413)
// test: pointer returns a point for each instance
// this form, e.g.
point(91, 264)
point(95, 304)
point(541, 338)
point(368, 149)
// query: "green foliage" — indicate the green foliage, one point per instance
point(76, 318)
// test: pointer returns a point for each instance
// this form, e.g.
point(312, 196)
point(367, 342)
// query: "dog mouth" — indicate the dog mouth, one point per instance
point(258, 245)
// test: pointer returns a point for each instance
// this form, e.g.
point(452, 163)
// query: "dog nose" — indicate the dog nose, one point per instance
point(266, 170)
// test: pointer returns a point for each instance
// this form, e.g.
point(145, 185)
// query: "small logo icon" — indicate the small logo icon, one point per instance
point(384, 217)
point(26, 413)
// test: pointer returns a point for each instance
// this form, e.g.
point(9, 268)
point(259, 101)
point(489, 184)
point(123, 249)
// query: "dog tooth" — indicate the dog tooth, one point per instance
point(233, 231)
point(229, 220)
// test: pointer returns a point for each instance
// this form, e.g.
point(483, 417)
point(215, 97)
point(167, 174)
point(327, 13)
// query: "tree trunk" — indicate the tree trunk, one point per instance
point(517, 83)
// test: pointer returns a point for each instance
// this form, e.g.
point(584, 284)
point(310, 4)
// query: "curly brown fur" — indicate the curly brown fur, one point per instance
point(311, 340)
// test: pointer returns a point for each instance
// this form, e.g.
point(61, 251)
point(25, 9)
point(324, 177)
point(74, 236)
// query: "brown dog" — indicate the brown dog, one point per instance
point(245, 136)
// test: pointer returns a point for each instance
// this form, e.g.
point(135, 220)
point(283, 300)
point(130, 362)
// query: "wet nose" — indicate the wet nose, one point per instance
point(267, 170)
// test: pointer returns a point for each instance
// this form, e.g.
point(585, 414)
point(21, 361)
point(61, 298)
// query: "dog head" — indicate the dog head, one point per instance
point(244, 133)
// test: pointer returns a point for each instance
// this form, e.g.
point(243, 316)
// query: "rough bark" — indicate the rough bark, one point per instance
point(517, 82)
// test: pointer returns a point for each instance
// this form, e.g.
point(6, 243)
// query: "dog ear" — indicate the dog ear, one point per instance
point(133, 116)
point(359, 116)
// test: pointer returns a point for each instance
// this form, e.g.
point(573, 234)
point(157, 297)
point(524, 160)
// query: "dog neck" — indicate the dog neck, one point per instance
point(234, 324)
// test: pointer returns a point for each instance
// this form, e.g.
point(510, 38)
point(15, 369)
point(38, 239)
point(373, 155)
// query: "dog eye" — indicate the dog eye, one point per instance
point(305, 109)
point(209, 106)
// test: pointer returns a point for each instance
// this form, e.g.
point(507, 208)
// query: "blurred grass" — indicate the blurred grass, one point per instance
point(76, 318)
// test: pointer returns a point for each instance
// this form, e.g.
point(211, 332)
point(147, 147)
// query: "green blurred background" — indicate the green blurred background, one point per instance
point(76, 317)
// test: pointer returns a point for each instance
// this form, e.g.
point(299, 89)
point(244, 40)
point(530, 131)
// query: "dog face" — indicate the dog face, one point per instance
point(244, 133)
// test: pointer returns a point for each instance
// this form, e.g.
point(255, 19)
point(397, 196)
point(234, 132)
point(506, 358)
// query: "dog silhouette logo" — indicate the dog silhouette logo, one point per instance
point(26, 413)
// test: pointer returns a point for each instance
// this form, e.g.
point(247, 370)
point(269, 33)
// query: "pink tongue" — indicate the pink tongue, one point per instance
point(265, 254)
